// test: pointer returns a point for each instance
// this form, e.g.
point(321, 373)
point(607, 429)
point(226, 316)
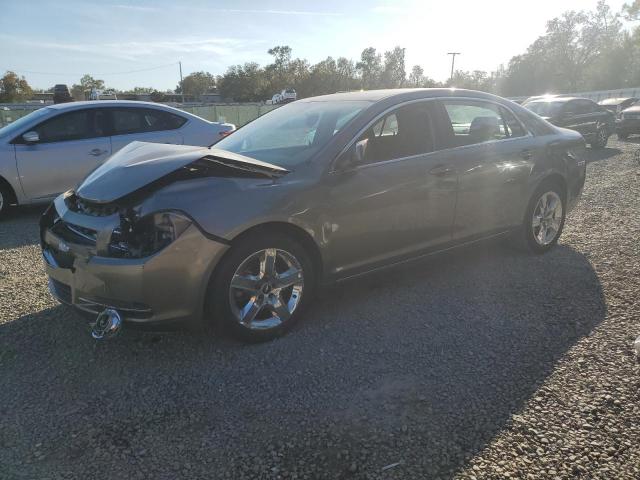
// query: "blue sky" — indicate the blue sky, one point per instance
point(64, 39)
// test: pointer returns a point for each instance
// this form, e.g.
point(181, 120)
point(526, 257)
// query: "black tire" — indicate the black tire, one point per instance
point(5, 199)
point(219, 293)
point(622, 136)
point(525, 237)
point(602, 138)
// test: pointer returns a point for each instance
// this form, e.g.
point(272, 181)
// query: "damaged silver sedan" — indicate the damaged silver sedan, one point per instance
point(319, 190)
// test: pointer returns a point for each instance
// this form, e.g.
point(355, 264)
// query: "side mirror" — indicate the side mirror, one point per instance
point(354, 156)
point(359, 152)
point(31, 137)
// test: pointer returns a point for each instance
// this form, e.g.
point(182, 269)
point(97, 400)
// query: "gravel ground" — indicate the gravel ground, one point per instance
point(482, 363)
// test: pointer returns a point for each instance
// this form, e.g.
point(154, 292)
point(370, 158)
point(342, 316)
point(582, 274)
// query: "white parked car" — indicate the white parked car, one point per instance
point(285, 96)
point(51, 149)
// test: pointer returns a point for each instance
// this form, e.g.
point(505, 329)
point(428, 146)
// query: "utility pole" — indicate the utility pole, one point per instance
point(181, 83)
point(453, 61)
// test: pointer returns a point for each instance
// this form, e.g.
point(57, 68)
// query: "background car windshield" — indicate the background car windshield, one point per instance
point(14, 127)
point(545, 109)
point(291, 135)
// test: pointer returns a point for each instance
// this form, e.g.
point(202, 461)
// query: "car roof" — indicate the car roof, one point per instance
point(400, 93)
point(615, 101)
point(106, 103)
point(557, 99)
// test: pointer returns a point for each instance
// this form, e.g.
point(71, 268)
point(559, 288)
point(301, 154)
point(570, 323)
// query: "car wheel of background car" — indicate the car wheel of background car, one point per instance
point(543, 220)
point(623, 136)
point(602, 137)
point(5, 196)
point(261, 287)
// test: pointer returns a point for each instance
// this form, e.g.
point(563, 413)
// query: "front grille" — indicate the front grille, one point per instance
point(79, 205)
point(60, 290)
point(75, 233)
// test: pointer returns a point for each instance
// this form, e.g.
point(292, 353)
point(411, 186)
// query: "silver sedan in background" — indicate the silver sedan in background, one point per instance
point(51, 149)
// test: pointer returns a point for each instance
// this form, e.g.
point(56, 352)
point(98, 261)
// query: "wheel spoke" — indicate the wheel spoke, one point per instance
point(280, 309)
point(250, 310)
point(536, 221)
point(245, 282)
point(268, 263)
point(288, 278)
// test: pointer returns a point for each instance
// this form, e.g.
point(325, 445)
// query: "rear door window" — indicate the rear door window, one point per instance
point(140, 120)
point(472, 122)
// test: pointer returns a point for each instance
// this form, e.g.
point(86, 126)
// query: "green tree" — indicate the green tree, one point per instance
point(370, 68)
point(197, 83)
point(631, 11)
point(14, 88)
point(87, 82)
point(394, 75)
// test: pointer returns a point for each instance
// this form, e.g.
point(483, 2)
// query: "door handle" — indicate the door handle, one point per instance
point(443, 171)
point(526, 154)
point(96, 152)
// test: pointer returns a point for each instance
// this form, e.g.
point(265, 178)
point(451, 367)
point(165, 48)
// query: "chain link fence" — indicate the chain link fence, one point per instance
point(238, 114)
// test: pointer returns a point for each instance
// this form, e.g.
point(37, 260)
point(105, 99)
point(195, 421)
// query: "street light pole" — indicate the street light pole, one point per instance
point(181, 82)
point(453, 61)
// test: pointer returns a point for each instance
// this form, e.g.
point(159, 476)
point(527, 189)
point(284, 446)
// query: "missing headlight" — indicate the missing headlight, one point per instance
point(138, 238)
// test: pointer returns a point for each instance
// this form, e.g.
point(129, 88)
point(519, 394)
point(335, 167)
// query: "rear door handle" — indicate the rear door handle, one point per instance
point(96, 152)
point(526, 154)
point(443, 171)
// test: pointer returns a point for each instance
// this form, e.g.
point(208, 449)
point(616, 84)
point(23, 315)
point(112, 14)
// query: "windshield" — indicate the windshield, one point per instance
point(14, 127)
point(545, 109)
point(292, 134)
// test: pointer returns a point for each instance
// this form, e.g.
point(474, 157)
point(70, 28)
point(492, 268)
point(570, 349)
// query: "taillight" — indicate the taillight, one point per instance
point(225, 133)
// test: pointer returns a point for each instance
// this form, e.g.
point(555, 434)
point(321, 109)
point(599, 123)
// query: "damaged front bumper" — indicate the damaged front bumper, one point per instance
point(169, 285)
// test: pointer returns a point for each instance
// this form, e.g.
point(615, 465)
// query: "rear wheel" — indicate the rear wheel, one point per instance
point(261, 287)
point(602, 137)
point(544, 219)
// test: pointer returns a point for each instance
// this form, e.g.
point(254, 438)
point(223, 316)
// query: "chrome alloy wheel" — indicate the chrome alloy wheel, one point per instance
point(547, 218)
point(602, 137)
point(266, 289)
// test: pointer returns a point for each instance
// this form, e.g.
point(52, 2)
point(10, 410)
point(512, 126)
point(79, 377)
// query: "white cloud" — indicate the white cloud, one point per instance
point(136, 8)
point(133, 50)
point(388, 9)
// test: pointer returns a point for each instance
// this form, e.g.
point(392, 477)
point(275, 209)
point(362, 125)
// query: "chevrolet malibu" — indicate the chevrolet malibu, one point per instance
point(240, 235)
point(51, 149)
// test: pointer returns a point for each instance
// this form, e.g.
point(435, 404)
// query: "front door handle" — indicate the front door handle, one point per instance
point(443, 171)
point(96, 152)
point(526, 154)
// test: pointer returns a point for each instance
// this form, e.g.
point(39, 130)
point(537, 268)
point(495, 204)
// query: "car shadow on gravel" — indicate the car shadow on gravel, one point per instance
point(421, 365)
point(593, 155)
point(19, 227)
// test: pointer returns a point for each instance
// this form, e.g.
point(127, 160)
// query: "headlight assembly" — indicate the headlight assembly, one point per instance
point(147, 235)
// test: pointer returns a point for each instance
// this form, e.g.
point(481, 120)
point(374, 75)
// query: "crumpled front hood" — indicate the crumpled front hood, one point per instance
point(140, 163)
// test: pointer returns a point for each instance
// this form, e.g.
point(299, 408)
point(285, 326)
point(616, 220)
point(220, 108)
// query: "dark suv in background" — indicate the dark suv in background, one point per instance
point(618, 104)
point(593, 121)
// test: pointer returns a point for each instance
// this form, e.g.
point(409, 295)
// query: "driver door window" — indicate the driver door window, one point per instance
point(404, 132)
point(76, 125)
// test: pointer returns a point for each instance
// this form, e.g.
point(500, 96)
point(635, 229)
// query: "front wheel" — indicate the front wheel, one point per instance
point(602, 137)
point(544, 219)
point(261, 287)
